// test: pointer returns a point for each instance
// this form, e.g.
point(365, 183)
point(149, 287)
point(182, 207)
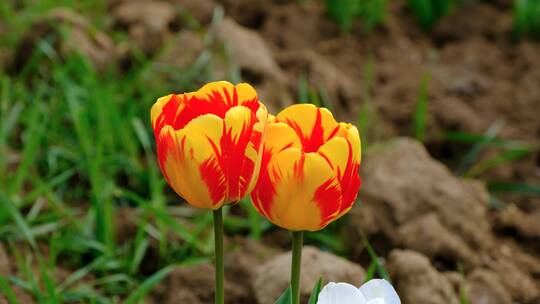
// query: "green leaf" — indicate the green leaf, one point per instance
point(471, 156)
point(370, 273)
point(285, 298)
point(7, 291)
point(375, 259)
point(501, 159)
point(520, 188)
point(19, 220)
point(148, 285)
point(315, 292)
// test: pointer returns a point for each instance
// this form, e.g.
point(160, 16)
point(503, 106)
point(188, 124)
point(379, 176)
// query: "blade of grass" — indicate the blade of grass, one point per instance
point(81, 273)
point(7, 291)
point(500, 159)
point(370, 273)
point(148, 284)
point(182, 232)
point(285, 298)
point(18, 219)
point(48, 281)
point(315, 292)
point(34, 127)
point(462, 286)
point(519, 188)
point(374, 258)
point(489, 136)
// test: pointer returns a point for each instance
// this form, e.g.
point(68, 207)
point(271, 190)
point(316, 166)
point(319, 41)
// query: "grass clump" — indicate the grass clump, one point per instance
point(527, 18)
point(344, 12)
point(428, 12)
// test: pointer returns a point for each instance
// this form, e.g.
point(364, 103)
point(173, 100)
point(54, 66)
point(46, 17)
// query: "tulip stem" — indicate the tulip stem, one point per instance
point(297, 240)
point(218, 250)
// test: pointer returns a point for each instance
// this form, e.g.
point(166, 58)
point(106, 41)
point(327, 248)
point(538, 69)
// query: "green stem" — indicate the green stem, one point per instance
point(218, 249)
point(298, 238)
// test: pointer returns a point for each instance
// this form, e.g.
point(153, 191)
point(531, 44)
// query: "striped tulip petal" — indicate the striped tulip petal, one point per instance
point(189, 166)
point(209, 142)
point(309, 172)
point(313, 125)
point(303, 185)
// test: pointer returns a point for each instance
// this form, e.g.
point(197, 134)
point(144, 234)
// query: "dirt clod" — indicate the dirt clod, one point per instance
point(417, 203)
point(82, 37)
point(417, 281)
point(147, 22)
point(195, 284)
point(272, 277)
point(257, 65)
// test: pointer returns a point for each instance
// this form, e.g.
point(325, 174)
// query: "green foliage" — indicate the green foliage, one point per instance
point(376, 264)
point(504, 157)
point(518, 188)
point(147, 285)
point(7, 291)
point(286, 297)
point(75, 147)
point(462, 286)
point(344, 12)
point(508, 151)
point(527, 18)
point(314, 296)
point(427, 12)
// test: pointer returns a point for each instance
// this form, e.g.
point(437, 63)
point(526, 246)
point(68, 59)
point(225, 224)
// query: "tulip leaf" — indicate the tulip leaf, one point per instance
point(315, 292)
point(285, 298)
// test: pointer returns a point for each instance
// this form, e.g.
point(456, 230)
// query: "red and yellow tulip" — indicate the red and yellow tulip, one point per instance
point(209, 142)
point(309, 173)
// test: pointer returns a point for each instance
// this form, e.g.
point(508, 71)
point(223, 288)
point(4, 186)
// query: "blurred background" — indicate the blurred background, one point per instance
point(445, 93)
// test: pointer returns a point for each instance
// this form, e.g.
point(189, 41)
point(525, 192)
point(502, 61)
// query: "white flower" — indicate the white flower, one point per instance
point(373, 292)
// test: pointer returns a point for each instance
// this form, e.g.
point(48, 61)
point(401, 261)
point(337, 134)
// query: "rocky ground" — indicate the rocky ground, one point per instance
point(439, 235)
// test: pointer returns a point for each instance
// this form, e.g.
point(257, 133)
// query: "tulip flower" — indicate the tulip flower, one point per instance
point(208, 142)
point(208, 148)
point(309, 173)
point(376, 291)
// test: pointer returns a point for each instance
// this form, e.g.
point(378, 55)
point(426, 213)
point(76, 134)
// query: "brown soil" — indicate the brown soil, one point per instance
point(478, 73)
point(425, 222)
point(411, 201)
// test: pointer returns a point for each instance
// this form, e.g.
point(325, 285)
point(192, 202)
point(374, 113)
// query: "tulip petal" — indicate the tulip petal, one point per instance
point(240, 155)
point(313, 125)
point(350, 181)
point(377, 289)
point(336, 151)
point(229, 94)
point(166, 110)
point(353, 137)
point(302, 192)
point(340, 293)
point(205, 134)
point(189, 168)
point(256, 144)
point(343, 155)
point(278, 136)
point(213, 98)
